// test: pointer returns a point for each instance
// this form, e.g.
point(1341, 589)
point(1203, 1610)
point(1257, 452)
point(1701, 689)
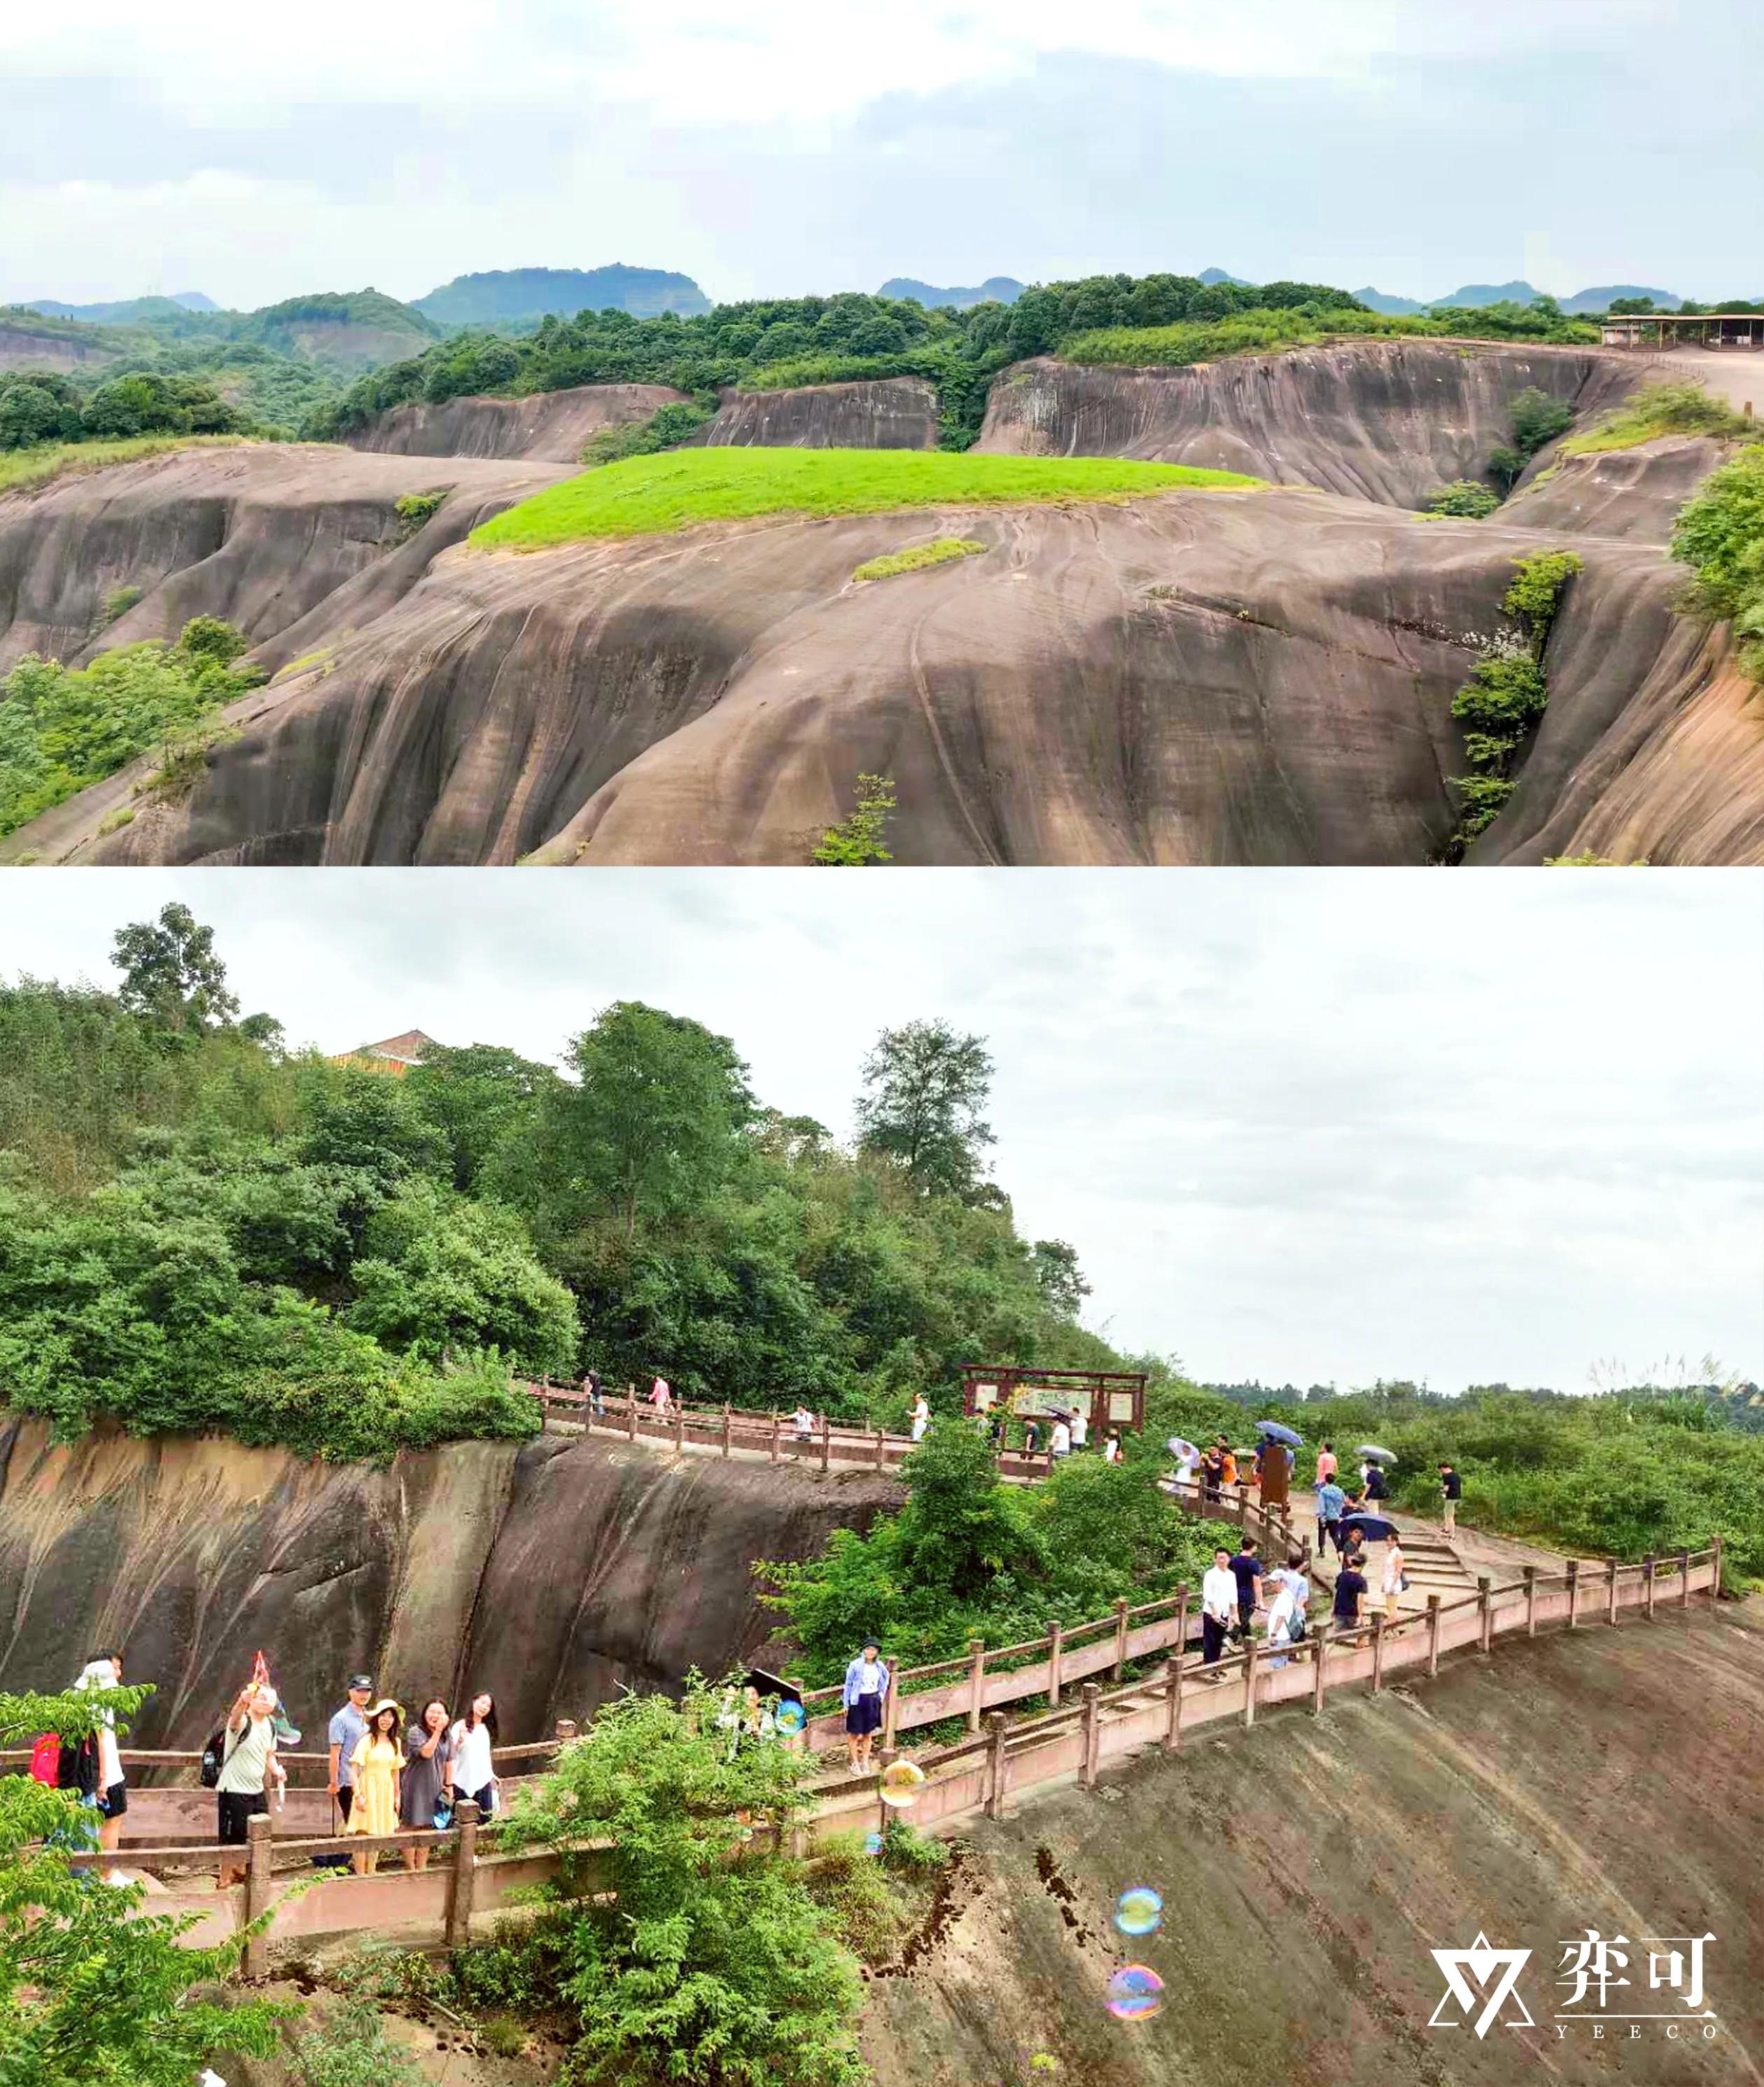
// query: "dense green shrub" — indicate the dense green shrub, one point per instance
point(1682, 408)
point(856, 840)
point(1720, 534)
point(62, 728)
point(1463, 497)
point(665, 428)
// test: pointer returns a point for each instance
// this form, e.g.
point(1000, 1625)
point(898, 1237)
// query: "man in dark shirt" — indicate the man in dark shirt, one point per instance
point(1451, 1491)
point(1246, 1570)
point(1350, 1592)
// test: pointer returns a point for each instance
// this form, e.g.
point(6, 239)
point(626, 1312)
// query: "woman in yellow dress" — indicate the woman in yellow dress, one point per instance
point(377, 1760)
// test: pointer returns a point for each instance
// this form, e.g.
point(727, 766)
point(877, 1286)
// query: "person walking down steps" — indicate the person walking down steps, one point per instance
point(1451, 1491)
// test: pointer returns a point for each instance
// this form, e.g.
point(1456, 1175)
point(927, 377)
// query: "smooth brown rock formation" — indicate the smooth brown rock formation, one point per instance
point(549, 1572)
point(550, 427)
point(1388, 420)
point(1310, 1867)
point(1616, 493)
point(886, 413)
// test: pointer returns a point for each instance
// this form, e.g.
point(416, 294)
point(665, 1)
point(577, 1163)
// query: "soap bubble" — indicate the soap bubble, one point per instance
point(872, 1844)
point(1135, 1993)
point(1139, 1910)
point(902, 1781)
point(792, 1717)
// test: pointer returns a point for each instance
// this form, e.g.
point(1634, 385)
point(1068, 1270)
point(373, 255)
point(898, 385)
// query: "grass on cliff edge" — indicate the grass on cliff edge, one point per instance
point(1657, 410)
point(38, 466)
point(655, 495)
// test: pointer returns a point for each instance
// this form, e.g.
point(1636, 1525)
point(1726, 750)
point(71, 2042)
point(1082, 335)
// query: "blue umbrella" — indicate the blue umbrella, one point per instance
point(1280, 1434)
point(1375, 1528)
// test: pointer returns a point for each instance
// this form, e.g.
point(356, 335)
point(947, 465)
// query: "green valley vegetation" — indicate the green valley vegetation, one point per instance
point(1657, 410)
point(665, 428)
point(39, 409)
point(856, 842)
point(62, 728)
point(201, 1230)
point(716, 1964)
point(1464, 498)
point(941, 551)
point(94, 1986)
point(1720, 536)
point(969, 1557)
point(1507, 692)
point(1255, 330)
point(655, 495)
point(774, 344)
point(36, 465)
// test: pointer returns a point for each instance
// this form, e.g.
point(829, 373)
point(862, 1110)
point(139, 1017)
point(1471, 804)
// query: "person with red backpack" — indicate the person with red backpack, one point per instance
point(110, 1789)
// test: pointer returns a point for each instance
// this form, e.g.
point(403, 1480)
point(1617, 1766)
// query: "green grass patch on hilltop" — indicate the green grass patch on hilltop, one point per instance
point(1657, 410)
point(1269, 332)
point(656, 495)
point(38, 466)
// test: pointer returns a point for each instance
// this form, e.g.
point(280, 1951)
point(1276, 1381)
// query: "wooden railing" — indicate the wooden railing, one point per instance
point(469, 1877)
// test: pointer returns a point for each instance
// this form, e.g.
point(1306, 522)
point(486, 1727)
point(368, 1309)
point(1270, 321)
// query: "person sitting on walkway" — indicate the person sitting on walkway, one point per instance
point(865, 1692)
point(1331, 1506)
point(1350, 1591)
point(1246, 1570)
point(428, 1758)
point(377, 1762)
point(1219, 1608)
point(248, 1768)
point(1451, 1491)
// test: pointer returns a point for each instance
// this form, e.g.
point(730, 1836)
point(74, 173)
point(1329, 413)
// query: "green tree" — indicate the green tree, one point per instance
point(1062, 1282)
point(1538, 418)
point(714, 1967)
point(171, 974)
point(478, 1096)
point(656, 1120)
point(856, 842)
point(924, 1088)
point(96, 1990)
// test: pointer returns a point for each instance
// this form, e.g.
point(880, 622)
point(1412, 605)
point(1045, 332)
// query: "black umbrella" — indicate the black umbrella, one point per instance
point(1375, 1528)
point(772, 1684)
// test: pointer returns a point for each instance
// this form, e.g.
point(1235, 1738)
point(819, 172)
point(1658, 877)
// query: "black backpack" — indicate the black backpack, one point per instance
point(214, 1755)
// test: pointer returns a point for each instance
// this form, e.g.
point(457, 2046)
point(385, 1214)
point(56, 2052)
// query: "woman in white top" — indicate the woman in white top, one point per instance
point(1281, 1613)
point(1062, 1437)
point(921, 1418)
point(1111, 1447)
point(1392, 1582)
point(469, 1770)
point(106, 1671)
point(1081, 1423)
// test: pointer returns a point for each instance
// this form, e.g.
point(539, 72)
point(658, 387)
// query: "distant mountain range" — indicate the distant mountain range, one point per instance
point(504, 297)
point(996, 289)
point(127, 311)
point(1469, 296)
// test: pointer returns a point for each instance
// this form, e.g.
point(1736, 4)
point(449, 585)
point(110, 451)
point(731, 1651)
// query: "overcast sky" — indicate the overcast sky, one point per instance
point(1464, 1127)
point(827, 144)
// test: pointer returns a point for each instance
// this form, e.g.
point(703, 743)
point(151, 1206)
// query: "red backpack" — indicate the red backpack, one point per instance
point(46, 1760)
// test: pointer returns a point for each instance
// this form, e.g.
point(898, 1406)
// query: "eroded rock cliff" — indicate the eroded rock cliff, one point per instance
point(549, 1572)
point(549, 427)
point(886, 413)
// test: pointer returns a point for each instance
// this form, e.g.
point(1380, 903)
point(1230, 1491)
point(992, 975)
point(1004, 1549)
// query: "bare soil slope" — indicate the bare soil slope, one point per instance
point(1309, 1867)
point(551, 427)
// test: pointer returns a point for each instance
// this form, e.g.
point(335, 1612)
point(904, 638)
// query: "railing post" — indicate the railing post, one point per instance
point(1647, 1587)
point(258, 1861)
point(997, 1766)
point(1378, 1622)
point(679, 1425)
point(1432, 1634)
point(1611, 1592)
point(1093, 1736)
point(777, 1423)
point(725, 1426)
point(1530, 1601)
point(1248, 1685)
point(976, 1680)
point(891, 1699)
point(1684, 1579)
point(1714, 1572)
point(1243, 1504)
point(882, 1455)
point(1320, 1645)
point(1181, 1621)
point(1119, 1670)
point(464, 1887)
point(1056, 1642)
point(631, 1415)
point(1173, 1689)
point(826, 1442)
point(1574, 1593)
point(1484, 1611)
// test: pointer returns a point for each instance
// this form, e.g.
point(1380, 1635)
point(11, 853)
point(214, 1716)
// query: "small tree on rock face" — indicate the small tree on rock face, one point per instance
point(94, 1990)
point(925, 1087)
point(856, 843)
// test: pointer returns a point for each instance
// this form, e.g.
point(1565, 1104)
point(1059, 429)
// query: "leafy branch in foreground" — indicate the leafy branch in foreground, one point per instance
point(856, 842)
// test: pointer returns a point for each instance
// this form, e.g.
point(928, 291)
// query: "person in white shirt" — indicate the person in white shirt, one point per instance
point(1081, 1424)
point(804, 1423)
point(1392, 1582)
point(1280, 1611)
point(1111, 1447)
point(470, 1772)
point(1062, 1436)
point(1219, 1608)
point(104, 1670)
point(922, 1417)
